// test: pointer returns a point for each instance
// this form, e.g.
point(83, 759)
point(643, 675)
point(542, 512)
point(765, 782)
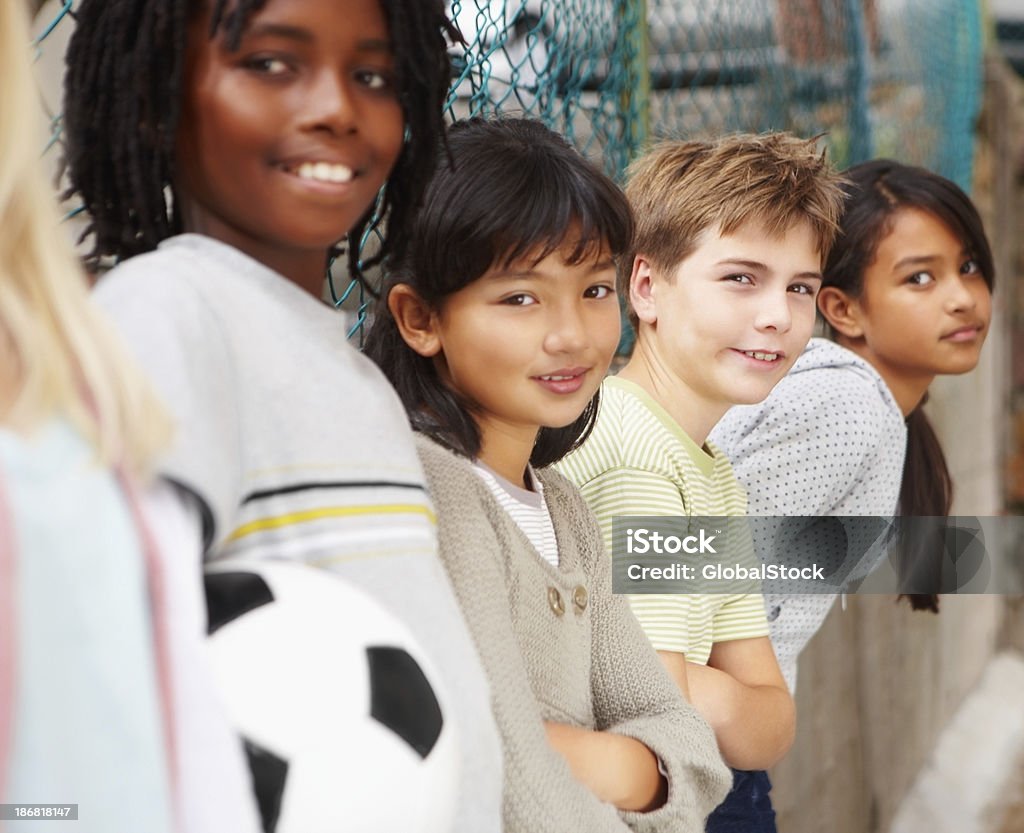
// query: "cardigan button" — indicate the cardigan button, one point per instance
point(579, 598)
point(555, 601)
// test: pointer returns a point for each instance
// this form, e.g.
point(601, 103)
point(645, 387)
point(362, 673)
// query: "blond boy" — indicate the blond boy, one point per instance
point(731, 238)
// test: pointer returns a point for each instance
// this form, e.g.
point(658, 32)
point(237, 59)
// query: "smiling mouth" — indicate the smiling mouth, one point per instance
point(762, 356)
point(568, 380)
point(329, 172)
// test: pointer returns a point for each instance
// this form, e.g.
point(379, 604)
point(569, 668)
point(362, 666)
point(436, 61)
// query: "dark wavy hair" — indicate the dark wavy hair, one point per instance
point(122, 104)
point(876, 191)
point(513, 188)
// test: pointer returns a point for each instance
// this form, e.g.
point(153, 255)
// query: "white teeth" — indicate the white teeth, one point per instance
point(765, 357)
point(556, 378)
point(324, 172)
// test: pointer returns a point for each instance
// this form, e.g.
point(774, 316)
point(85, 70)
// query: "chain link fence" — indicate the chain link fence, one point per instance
point(898, 78)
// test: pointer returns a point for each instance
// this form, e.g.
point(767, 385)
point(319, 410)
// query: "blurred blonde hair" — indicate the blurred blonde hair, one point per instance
point(62, 356)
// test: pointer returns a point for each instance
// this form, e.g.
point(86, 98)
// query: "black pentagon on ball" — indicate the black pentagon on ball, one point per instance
point(402, 699)
point(231, 594)
point(269, 774)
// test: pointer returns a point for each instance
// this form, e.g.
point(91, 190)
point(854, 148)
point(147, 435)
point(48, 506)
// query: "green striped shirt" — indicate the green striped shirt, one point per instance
point(639, 461)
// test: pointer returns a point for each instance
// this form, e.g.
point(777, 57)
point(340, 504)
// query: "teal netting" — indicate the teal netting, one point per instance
point(877, 77)
point(898, 78)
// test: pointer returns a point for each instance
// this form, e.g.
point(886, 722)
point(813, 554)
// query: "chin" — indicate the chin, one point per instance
point(751, 395)
point(960, 368)
point(555, 425)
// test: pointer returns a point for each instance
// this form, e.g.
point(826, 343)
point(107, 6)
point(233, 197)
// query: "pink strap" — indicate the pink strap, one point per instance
point(161, 636)
point(7, 633)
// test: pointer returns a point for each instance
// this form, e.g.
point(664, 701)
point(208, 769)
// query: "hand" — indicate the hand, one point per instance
point(619, 770)
point(742, 694)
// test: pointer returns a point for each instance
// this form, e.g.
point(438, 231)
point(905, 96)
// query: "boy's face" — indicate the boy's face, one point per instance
point(284, 143)
point(732, 318)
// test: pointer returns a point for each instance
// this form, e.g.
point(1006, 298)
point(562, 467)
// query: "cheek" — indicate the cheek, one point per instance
point(804, 315)
point(390, 135)
point(608, 332)
point(891, 314)
point(477, 351)
point(983, 303)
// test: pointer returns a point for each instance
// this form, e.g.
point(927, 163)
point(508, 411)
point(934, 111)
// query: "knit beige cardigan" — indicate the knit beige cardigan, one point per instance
point(589, 665)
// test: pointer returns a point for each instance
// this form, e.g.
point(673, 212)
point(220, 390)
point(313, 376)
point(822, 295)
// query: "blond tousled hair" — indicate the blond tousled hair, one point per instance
point(58, 350)
point(678, 190)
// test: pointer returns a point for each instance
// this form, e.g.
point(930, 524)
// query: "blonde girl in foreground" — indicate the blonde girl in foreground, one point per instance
point(103, 698)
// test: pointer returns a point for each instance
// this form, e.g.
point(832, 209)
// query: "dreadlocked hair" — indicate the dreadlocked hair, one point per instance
point(122, 104)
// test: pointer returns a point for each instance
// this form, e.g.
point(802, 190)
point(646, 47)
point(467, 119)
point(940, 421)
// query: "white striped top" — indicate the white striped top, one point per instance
point(639, 461)
point(527, 508)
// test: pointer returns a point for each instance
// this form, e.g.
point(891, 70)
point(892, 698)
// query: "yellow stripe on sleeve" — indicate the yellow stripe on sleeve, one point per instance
point(331, 512)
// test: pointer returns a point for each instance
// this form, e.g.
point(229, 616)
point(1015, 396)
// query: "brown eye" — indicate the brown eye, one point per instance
point(267, 65)
point(374, 79)
point(520, 299)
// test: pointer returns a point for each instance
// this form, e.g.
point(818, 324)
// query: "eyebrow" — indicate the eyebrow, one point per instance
point(301, 35)
point(922, 260)
point(763, 267)
point(281, 30)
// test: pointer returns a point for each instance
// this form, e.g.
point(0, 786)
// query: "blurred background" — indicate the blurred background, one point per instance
point(908, 722)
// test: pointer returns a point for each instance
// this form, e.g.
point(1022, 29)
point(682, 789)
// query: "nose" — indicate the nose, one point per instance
point(566, 331)
point(329, 104)
point(960, 296)
point(773, 312)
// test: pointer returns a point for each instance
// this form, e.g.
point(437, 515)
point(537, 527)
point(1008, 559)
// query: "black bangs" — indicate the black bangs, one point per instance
point(958, 212)
point(877, 190)
point(558, 206)
point(513, 189)
point(508, 189)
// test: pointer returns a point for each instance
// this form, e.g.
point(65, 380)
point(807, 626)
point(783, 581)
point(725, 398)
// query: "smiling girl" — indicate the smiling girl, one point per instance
point(907, 295)
point(500, 325)
point(222, 150)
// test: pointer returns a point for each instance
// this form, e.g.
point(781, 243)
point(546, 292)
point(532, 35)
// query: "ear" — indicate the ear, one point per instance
point(641, 290)
point(415, 320)
point(841, 311)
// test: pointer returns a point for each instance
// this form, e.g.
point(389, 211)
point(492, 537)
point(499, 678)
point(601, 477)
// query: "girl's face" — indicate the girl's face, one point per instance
point(284, 143)
point(924, 308)
point(529, 345)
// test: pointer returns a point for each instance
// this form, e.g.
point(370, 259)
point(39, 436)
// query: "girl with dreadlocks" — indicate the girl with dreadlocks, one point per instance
point(222, 150)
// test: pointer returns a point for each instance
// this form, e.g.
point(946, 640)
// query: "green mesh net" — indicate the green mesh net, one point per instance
point(897, 78)
point(900, 78)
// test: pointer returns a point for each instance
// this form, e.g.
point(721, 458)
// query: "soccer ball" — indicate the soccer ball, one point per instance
point(344, 723)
